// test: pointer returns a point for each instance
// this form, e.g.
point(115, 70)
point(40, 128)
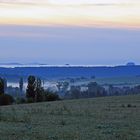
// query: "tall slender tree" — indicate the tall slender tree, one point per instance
point(1, 86)
point(39, 90)
point(21, 82)
point(5, 84)
point(31, 88)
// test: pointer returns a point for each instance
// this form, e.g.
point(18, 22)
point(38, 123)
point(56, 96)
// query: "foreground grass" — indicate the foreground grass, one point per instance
point(109, 118)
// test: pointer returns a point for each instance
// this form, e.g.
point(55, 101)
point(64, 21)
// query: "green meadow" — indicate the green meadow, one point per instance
point(105, 118)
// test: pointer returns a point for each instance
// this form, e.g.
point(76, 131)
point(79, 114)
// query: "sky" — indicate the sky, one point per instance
point(77, 32)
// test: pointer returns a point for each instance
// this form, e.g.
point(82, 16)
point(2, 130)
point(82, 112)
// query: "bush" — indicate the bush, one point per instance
point(20, 101)
point(129, 105)
point(6, 99)
point(51, 96)
point(30, 100)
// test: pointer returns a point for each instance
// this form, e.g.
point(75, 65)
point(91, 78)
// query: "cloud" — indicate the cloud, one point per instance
point(72, 2)
point(32, 32)
point(84, 13)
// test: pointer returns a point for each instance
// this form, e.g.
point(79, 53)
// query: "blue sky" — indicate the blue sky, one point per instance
point(73, 45)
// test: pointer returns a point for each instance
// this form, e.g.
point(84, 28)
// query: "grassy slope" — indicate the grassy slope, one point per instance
point(88, 119)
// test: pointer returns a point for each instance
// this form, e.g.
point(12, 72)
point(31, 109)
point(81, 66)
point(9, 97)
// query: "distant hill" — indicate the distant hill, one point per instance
point(69, 71)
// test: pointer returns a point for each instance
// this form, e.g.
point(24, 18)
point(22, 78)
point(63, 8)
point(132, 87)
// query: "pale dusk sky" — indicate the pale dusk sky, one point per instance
point(95, 32)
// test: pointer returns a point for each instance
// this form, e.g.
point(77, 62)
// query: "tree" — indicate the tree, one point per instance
point(5, 84)
point(62, 87)
point(92, 89)
point(2, 86)
point(21, 85)
point(31, 88)
point(36, 93)
point(95, 90)
point(75, 92)
point(39, 90)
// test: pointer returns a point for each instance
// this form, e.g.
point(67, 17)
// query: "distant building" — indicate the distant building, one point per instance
point(67, 64)
point(130, 64)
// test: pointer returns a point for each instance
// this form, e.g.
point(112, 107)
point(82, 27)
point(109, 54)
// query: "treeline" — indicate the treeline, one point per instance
point(34, 92)
point(95, 90)
point(89, 91)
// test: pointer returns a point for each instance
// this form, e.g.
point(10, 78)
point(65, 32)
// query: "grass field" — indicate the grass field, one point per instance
point(108, 118)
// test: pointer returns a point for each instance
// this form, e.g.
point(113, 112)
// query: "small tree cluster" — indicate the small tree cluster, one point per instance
point(36, 93)
point(4, 98)
point(91, 90)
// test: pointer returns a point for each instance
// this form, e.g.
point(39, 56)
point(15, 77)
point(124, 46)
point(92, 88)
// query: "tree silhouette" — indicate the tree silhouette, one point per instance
point(31, 88)
point(5, 84)
point(39, 90)
point(21, 85)
point(2, 86)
